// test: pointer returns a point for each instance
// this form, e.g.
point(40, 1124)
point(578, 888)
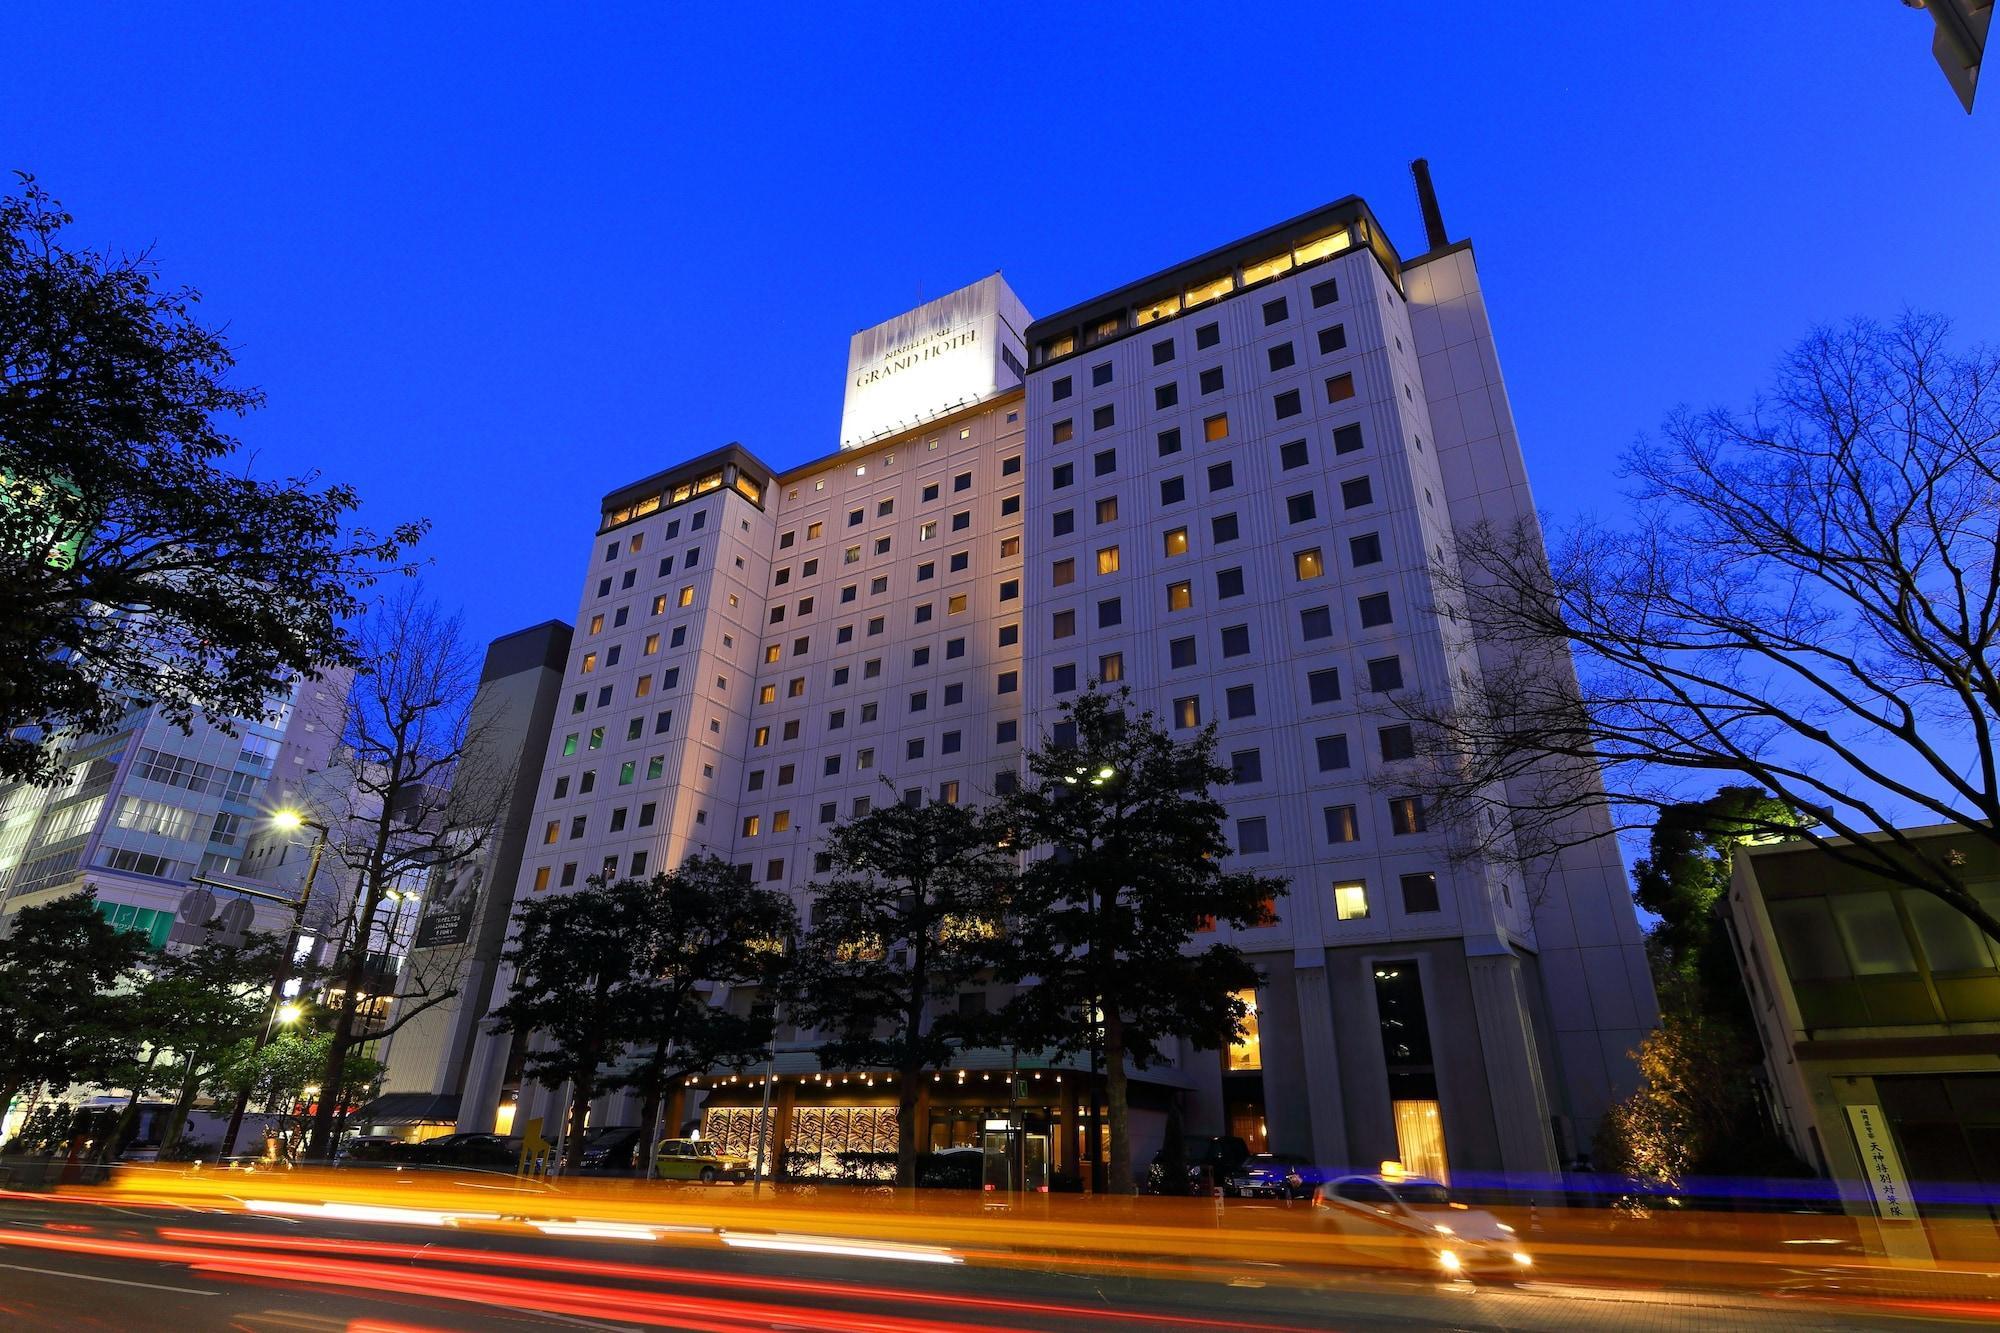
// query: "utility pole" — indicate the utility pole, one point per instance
point(284, 819)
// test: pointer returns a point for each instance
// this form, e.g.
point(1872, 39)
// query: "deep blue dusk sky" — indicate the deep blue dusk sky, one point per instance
point(490, 268)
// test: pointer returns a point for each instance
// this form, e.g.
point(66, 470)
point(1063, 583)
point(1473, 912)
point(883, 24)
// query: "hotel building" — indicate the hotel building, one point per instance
point(1222, 486)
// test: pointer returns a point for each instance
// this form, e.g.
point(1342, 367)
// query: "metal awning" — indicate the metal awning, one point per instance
point(409, 1108)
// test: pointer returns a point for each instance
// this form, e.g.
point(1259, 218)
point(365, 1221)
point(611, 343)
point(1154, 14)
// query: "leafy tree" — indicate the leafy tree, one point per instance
point(1104, 920)
point(909, 914)
point(137, 560)
point(1803, 596)
point(700, 927)
point(407, 798)
point(60, 967)
point(1684, 881)
point(192, 1009)
point(578, 994)
point(1696, 1110)
point(282, 1079)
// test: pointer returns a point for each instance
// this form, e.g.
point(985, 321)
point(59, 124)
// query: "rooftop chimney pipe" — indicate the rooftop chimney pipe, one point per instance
point(1427, 200)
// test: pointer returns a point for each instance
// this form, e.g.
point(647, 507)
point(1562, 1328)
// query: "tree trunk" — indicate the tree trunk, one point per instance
point(334, 1076)
point(582, 1094)
point(907, 1087)
point(126, 1117)
point(177, 1118)
point(1118, 1172)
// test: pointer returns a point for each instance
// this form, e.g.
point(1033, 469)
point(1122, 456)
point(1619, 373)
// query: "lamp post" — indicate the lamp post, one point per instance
point(290, 820)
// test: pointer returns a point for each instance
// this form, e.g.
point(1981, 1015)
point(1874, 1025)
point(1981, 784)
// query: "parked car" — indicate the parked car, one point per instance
point(696, 1159)
point(369, 1148)
point(1210, 1160)
point(1268, 1176)
point(1413, 1221)
point(491, 1151)
point(615, 1148)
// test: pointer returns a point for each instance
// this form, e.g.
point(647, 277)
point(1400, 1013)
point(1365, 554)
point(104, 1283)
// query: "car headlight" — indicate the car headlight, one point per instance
point(1521, 1258)
point(1503, 1227)
point(1441, 1229)
point(1449, 1261)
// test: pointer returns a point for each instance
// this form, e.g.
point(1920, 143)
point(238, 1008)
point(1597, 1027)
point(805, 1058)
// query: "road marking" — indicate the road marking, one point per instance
point(115, 1281)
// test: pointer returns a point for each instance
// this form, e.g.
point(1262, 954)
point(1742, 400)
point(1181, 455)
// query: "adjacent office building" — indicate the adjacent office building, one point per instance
point(1222, 486)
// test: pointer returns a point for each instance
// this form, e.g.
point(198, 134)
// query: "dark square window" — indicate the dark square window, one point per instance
point(954, 693)
point(828, 811)
point(1228, 583)
point(1009, 635)
point(1061, 475)
point(1347, 439)
point(1287, 404)
point(950, 742)
point(1316, 622)
point(1397, 743)
point(1222, 528)
point(1007, 682)
point(1100, 374)
point(1246, 766)
point(1103, 417)
point(1009, 589)
point(1332, 338)
point(1292, 455)
point(1332, 753)
point(1110, 611)
point(962, 482)
point(1365, 549)
point(1105, 462)
point(1341, 825)
point(1275, 311)
point(604, 585)
point(1236, 641)
point(1300, 508)
point(1170, 441)
point(961, 520)
point(930, 492)
point(1173, 490)
point(1420, 892)
point(913, 748)
point(1006, 732)
point(1325, 293)
point(1324, 685)
point(1253, 838)
point(1280, 356)
point(1385, 673)
point(1163, 351)
point(1060, 389)
point(1063, 625)
point(1166, 395)
point(1241, 701)
point(927, 570)
point(1180, 653)
point(1221, 476)
point(1010, 465)
point(1208, 335)
point(1356, 493)
point(1375, 610)
point(1211, 380)
point(953, 648)
point(1063, 679)
point(1063, 522)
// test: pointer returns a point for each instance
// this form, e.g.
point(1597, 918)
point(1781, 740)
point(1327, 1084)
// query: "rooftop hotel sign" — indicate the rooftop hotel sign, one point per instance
point(945, 354)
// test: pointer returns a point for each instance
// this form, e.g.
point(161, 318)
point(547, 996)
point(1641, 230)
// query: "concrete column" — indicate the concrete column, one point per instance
point(1322, 1061)
point(1513, 1067)
point(480, 1101)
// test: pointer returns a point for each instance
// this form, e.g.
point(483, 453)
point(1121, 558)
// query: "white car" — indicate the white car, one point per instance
point(1414, 1222)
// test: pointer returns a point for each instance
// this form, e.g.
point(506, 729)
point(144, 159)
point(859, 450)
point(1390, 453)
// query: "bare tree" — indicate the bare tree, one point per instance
point(411, 806)
point(1805, 595)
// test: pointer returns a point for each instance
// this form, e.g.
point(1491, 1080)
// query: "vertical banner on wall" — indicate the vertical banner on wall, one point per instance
point(1881, 1164)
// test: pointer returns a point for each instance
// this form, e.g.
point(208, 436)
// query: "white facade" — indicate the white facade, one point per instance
point(1223, 487)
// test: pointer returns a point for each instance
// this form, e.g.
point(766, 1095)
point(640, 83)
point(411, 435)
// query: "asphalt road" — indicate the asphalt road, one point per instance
point(76, 1266)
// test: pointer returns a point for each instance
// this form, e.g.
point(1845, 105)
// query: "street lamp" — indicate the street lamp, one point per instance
point(290, 821)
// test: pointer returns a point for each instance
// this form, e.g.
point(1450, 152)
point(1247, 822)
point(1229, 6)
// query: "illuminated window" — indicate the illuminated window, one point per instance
point(1350, 900)
point(552, 831)
point(596, 741)
point(1063, 431)
point(1111, 667)
point(660, 604)
point(1339, 388)
point(1341, 825)
point(1009, 546)
point(781, 821)
point(652, 645)
point(813, 530)
point(1107, 509)
point(686, 597)
point(770, 652)
point(1308, 564)
point(569, 743)
point(1406, 815)
point(956, 605)
point(541, 878)
point(1062, 573)
point(597, 624)
point(1269, 268)
point(589, 663)
point(750, 826)
point(1215, 427)
point(1177, 541)
point(1187, 713)
point(767, 694)
point(761, 737)
point(1202, 293)
point(1180, 596)
point(1247, 1051)
point(1107, 560)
